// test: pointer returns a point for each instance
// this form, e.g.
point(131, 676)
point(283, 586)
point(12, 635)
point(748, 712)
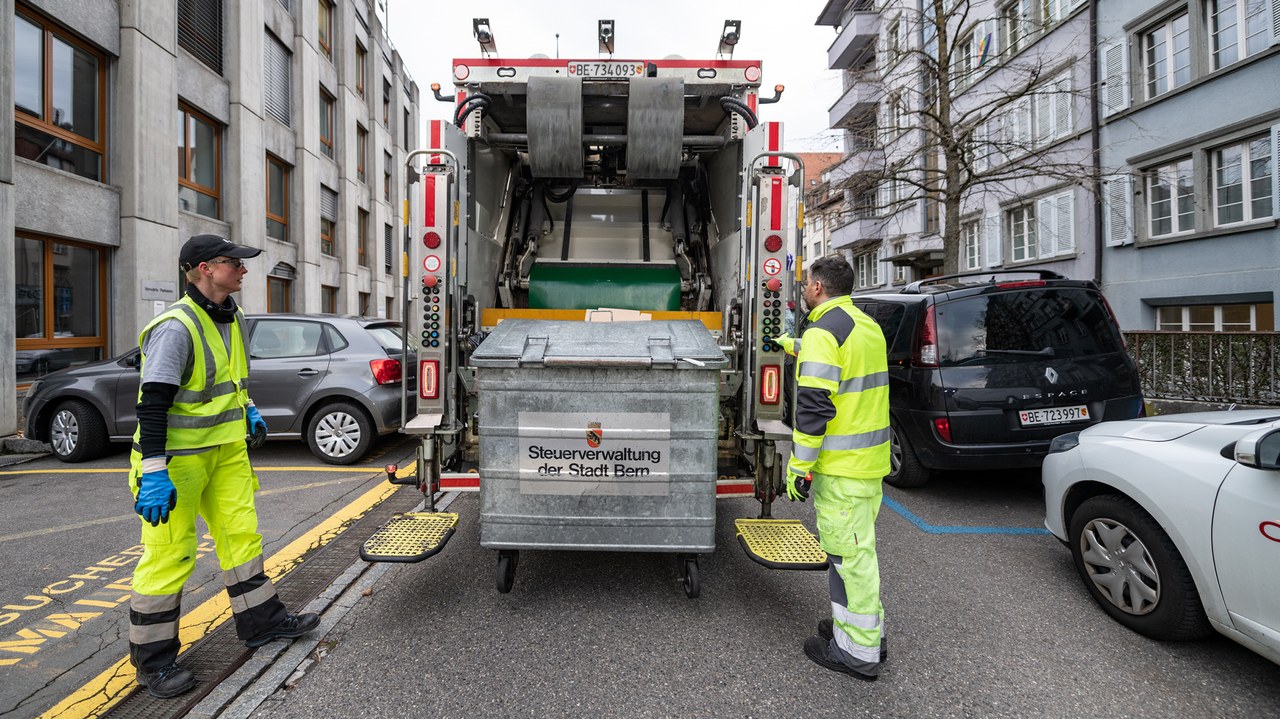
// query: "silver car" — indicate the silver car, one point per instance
point(333, 381)
point(1174, 522)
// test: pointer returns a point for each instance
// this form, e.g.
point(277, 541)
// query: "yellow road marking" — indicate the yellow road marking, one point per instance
point(125, 470)
point(108, 688)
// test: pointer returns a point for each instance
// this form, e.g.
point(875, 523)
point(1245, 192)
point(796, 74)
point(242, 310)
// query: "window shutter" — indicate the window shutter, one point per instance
point(1117, 194)
point(277, 88)
point(1046, 227)
point(882, 199)
point(1275, 30)
point(991, 242)
point(328, 204)
point(1115, 77)
point(1043, 99)
point(387, 248)
point(1275, 150)
point(1065, 236)
point(200, 30)
point(1062, 107)
point(1021, 127)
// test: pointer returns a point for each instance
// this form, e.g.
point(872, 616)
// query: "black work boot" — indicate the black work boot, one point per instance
point(291, 627)
point(827, 630)
point(167, 681)
point(816, 649)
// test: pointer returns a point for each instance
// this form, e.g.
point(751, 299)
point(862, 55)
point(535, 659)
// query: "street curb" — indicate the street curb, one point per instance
point(8, 459)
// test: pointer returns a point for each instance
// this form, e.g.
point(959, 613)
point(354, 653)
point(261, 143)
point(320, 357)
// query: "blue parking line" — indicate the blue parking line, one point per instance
point(934, 529)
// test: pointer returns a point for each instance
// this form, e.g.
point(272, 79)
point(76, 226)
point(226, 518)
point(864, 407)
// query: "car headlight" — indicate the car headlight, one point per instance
point(1064, 442)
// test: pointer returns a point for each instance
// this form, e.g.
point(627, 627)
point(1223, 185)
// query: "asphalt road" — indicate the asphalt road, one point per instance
point(978, 624)
point(69, 540)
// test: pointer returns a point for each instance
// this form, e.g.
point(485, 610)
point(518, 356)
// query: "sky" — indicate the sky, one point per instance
point(793, 51)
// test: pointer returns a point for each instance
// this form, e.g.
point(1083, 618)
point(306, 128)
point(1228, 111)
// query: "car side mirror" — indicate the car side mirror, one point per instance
point(1260, 450)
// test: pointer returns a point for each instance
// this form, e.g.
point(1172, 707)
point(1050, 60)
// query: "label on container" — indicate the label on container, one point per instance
point(587, 453)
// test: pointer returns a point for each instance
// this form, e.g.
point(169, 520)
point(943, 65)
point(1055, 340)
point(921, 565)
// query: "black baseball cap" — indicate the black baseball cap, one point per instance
point(202, 248)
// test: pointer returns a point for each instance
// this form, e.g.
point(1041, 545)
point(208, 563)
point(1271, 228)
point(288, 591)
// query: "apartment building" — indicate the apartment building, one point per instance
point(292, 119)
point(822, 207)
point(1190, 131)
point(1016, 76)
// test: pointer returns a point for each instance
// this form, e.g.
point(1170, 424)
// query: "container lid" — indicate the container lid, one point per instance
point(679, 344)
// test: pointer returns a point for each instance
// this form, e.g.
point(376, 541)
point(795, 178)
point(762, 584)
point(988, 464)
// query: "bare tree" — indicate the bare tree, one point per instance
point(971, 103)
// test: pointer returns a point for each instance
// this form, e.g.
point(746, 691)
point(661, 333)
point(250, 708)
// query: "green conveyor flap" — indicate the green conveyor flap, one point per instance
point(589, 287)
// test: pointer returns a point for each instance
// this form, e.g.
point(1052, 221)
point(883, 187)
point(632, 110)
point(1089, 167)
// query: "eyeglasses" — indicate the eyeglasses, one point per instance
point(234, 262)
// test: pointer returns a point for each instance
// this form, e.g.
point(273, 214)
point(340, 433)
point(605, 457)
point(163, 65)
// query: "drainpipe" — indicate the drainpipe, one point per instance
point(1096, 137)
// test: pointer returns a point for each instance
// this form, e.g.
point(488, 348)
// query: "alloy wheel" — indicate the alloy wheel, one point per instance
point(895, 452)
point(64, 432)
point(338, 434)
point(1120, 566)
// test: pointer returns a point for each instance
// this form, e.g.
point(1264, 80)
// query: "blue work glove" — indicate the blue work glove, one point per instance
point(257, 427)
point(798, 487)
point(156, 496)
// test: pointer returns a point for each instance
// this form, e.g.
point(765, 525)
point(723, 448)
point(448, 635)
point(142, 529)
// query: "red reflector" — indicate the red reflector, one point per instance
point(773, 243)
point(429, 379)
point(770, 384)
point(431, 240)
point(943, 426)
point(385, 371)
point(1021, 283)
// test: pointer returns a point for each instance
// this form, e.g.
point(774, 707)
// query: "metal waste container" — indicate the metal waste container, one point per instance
point(598, 436)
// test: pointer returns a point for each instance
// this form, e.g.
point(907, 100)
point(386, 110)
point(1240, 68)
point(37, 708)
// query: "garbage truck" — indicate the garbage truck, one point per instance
point(599, 254)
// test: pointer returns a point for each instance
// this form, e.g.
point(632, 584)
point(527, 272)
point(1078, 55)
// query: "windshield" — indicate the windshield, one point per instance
point(1029, 325)
point(388, 336)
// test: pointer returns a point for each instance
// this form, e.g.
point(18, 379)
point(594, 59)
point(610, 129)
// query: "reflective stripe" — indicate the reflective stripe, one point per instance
point(245, 571)
point(870, 655)
point(805, 454)
point(859, 384)
point(210, 369)
point(148, 633)
point(862, 440)
point(249, 600)
point(187, 396)
point(187, 421)
point(820, 370)
point(144, 604)
point(861, 621)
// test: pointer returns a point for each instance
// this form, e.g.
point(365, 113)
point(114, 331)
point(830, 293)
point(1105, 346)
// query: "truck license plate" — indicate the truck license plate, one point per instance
point(1053, 415)
point(619, 70)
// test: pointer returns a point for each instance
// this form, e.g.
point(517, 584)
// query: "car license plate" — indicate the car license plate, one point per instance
point(619, 70)
point(1053, 415)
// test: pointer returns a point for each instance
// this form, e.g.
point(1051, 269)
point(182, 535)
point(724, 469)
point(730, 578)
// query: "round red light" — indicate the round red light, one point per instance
point(461, 71)
point(752, 73)
point(431, 240)
point(773, 243)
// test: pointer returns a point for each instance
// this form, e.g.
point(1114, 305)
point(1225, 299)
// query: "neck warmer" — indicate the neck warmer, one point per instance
point(224, 313)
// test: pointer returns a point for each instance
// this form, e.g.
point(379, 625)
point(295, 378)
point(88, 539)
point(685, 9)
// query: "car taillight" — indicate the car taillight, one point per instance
point(429, 379)
point(1021, 283)
point(942, 426)
point(770, 384)
point(385, 371)
point(927, 342)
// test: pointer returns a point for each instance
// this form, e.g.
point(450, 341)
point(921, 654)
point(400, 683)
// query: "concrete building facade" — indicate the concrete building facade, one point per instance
point(292, 120)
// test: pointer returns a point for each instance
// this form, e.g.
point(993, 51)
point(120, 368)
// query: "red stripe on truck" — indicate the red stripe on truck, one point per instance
point(429, 200)
point(775, 203)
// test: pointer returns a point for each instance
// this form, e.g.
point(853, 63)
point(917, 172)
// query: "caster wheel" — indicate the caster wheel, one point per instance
point(507, 561)
point(692, 582)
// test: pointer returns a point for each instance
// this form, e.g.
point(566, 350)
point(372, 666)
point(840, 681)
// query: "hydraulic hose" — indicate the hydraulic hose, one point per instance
point(479, 100)
point(734, 105)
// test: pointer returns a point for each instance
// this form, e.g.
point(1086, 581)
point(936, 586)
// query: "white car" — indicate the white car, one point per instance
point(1174, 522)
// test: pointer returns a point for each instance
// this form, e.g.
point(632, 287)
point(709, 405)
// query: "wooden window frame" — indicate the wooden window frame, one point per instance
point(284, 171)
point(364, 298)
point(328, 238)
point(362, 151)
point(327, 102)
point(362, 68)
point(386, 103)
point(386, 176)
point(362, 233)
point(49, 341)
point(214, 192)
point(324, 18)
point(329, 295)
point(43, 124)
point(288, 294)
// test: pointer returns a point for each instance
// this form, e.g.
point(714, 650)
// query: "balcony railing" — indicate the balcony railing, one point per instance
point(1224, 367)
point(857, 35)
point(856, 230)
point(856, 103)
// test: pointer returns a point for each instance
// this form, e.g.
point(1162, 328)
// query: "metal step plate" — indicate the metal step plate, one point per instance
point(780, 544)
point(410, 537)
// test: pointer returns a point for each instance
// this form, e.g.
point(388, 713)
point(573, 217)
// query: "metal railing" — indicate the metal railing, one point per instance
point(1208, 366)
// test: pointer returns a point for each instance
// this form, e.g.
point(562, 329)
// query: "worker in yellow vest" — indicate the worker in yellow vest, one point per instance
point(840, 450)
point(189, 457)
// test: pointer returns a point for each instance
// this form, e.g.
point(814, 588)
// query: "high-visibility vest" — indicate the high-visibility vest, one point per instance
point(842, 395)
point(209, 408)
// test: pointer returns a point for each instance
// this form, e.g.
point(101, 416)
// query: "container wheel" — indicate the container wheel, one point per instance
point(692, 582)
point(507, 561)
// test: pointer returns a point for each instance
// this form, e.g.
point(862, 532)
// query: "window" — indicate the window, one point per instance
point(1167, 56)
point(328, 299)
point(362, 153)
point(362, 239)
point(277, 199)
point(200, 31)
point(1171, 199)
point(287, 338)
point(1021, 226)
point(866, 269)
point(386, 176)
point(970, 239)
point(899, 271)
point(279, 296)
point(388, 250)
point(362, 69)
point(199, 162)
point(59, 86)
point(893, 40)
point(325, 33)
point(407, 127)
point(364, 304)
point(1052, 11)
point(277, 86)
point(1013, 25)
point(59, 305)
point(1242, 181)
point(328, 221)
point(388, 307)
point(1240, 28)
point(1052, 104)
point(326, 124)
point(1217, 318)
point(386, 104)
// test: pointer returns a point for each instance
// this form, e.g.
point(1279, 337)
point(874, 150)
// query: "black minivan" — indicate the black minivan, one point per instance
point(985, 369)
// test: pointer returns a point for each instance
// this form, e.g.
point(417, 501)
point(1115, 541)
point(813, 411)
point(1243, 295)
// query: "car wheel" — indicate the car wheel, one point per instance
point(77, 432)
point(1134, 571)
point(340, 433)
point(905, 469)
